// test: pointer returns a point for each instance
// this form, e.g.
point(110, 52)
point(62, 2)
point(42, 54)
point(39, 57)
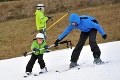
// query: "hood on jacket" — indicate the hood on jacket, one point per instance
point(74, 18)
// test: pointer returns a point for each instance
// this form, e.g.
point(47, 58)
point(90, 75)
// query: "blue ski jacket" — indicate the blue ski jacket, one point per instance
point(84, 23)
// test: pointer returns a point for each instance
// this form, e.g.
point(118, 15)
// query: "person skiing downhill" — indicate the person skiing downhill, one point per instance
point(37, 44)
point(41, 19)
point(88, 26)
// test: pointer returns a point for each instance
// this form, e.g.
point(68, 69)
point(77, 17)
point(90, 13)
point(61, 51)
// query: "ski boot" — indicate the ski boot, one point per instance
point(97, 61)
point(72, 64)
point(43, 70)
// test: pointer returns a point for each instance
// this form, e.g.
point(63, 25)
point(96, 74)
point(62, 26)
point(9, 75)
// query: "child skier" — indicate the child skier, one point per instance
point(37, 44)
point(41, 19)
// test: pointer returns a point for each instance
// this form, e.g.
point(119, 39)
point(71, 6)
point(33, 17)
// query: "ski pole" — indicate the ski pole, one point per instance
point(48, 20)
point(29, 53)
point(54, 22)
point(58, 21)
point(62, 42)
point(67, 42)
point(34, 31)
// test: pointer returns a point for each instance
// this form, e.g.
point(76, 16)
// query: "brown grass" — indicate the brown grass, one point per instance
point(16, 37)
point(12, 10)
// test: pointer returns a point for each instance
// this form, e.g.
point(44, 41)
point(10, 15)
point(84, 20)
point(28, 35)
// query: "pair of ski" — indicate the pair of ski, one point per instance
point(67, 69)
point(78, 67)
point(33, 75)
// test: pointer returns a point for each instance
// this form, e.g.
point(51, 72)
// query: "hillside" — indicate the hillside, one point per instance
point(16, 37)
point(18, 9)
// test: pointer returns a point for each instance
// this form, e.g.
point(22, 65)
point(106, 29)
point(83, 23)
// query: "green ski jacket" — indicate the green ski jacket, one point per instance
point(38, 46)
point(40, 19)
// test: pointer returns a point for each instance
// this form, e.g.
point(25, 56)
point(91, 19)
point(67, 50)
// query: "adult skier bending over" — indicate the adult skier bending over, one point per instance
point(89, 27)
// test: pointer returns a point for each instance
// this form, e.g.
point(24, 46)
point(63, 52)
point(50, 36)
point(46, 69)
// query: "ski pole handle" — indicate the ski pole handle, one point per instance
point(27, 53)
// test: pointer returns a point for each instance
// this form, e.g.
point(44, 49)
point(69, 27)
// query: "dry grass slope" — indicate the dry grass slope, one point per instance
point(16, 37)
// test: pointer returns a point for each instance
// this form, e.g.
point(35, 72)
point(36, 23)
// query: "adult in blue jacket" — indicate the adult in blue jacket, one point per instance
point(88, 26)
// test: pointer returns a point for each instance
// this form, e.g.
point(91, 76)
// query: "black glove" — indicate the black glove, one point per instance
point(56, 43)
point(25, 54)
point(35, 49)
point(104, 36)
point(49, 17)
point(46, 46)
point(41, 31)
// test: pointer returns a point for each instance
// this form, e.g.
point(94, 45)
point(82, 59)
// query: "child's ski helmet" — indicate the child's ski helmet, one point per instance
point(40, 35)
point(39, 6)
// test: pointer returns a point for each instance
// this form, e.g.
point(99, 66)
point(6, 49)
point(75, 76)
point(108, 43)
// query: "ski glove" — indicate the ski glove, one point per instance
point(49, 17)
point(35, 49)
point(56, 43)
point(46, 46)
point(104, 36)
point(25, 54)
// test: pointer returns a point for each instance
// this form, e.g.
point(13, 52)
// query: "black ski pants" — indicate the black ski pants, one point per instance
point(43, 31)
point(92, 41)
point(32, 62)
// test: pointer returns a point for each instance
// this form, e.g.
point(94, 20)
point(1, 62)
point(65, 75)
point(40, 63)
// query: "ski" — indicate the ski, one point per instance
point(32, 75)
point(25, 76)
point(67, 69)
point(103, 62)
point(93, 65)
point(79, 67)
point(39, 73)
point(59, 71)
point(35, 74)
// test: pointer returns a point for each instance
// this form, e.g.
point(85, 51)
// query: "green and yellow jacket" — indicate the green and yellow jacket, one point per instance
point(38, 46)
point(40, 20)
